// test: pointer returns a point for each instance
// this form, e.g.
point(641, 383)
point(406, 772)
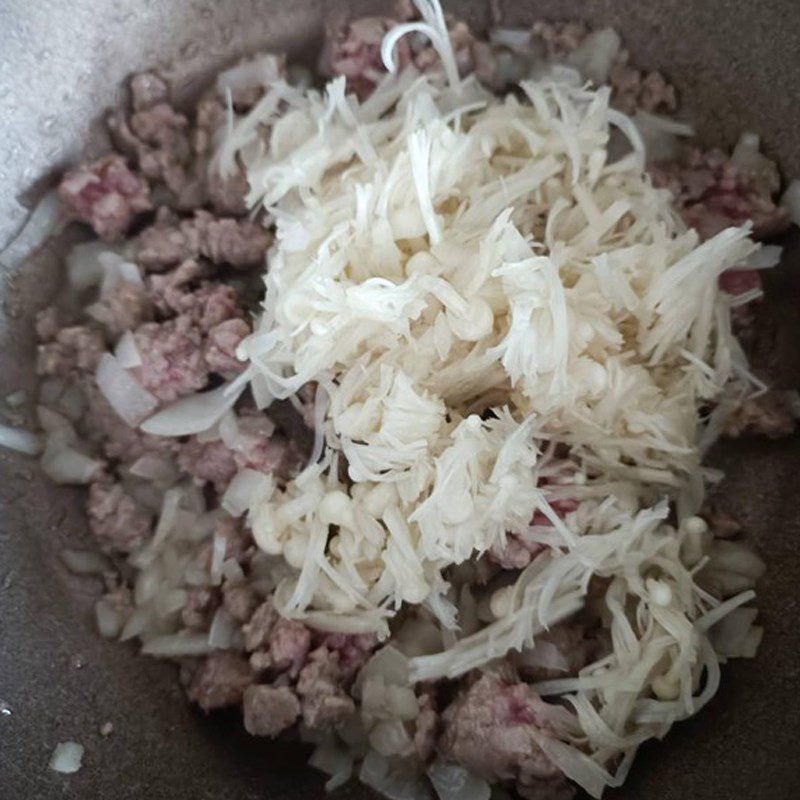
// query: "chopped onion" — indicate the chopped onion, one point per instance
point(217, 558)
point(753, 164)
point(67, 757)
point(791, 201)
point(42, 223)
point(156, 468)
point(402, 702)
point(257, 73)
point(595, 55)
point(178, 645)
point(767, 256)
point(16, 399)
point(735, 635)
point(85, 562)
point(453, 782)
point(545, 655)
point(124, 393)
point(387, 663)
point(222, 633)
point(126, 351)
point(57, 427)
point(20, 440)
point(390, 738)
point(73, 403)
point(518, 40)
point(116, 270)
point(242, 492)
point(333, 760)
point(86, 264)
point(109, 620)
point(659, 134)
point(232, 571)
point(192, 414)
point(64, 464)
point(400, 783)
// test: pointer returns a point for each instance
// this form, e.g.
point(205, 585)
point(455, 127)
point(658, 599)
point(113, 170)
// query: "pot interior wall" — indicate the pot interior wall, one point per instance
point(736, 66)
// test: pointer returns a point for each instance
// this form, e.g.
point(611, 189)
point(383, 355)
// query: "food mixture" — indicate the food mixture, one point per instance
point(391, 393)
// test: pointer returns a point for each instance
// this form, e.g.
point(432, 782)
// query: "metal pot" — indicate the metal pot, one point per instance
point(736, 64)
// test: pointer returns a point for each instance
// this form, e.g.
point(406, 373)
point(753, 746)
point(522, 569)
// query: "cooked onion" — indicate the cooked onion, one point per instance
point(85, 562)
point(124, 393)
point(222, 633)
point(193, 414)
point(791, 201)
point(246, 485)
point(64, 464)
point(86, 264)
point(155, 468)
point(453, 782)
point(126, 351)
point(67, 757)
point(334, 761)
point(178, 645)
point(595, 55)
point(42, 223)
point(20, 440)
point(109, 620)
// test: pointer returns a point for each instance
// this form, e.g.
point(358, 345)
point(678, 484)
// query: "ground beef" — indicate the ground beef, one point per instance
point(258, 629)
point(158, 138)
point(472, 55)
point(172, 358)
point(739, 281)
point(354, 50)
point(515, 553)
point(75, 349)
point(324, 702)
point(209, 117)
point(771, 415)
point(222, 240)
point(269, 710)
point(220, 347)
point(632, 89)
point(48, 324)
point(123, 308)
point(160, 126)
point(106, 195)
point(218, 681)
point(201, 603)
point(712, 194)
point(494, 730)
point(427, 726)
point(227, 195)
point(167, 291)
point(117, 521)
point(148, 89)
point(269, 454)
point(239, 600)
point(559, 39)
point(208, 462)
point(289, 644)
point(353, 650)
point(207, 307)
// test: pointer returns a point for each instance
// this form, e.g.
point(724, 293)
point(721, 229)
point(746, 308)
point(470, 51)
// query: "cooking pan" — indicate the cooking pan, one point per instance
point(737, 66)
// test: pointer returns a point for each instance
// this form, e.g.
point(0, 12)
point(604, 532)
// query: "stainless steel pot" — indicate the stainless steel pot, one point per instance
point(737, 64)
